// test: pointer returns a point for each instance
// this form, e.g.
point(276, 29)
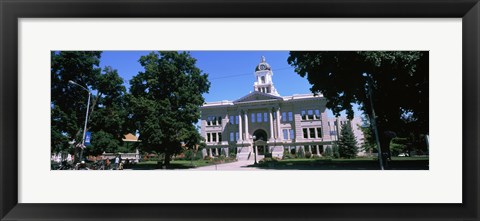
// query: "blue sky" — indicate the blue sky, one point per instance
point(231, 73)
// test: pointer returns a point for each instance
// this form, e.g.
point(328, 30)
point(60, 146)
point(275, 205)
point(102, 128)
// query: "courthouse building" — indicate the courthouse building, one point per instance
point(264, 122)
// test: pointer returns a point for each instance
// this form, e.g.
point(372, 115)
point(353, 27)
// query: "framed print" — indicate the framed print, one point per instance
point(310, 110)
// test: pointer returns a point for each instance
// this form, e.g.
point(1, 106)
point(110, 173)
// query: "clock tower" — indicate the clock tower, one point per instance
point(263, 76)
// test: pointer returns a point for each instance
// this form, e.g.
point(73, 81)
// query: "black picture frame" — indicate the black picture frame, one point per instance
point(11, 11)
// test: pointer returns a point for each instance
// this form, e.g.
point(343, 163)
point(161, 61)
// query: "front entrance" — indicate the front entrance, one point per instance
point(260, 141)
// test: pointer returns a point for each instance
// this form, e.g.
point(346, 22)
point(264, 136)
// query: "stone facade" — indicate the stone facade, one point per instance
point(265, 123)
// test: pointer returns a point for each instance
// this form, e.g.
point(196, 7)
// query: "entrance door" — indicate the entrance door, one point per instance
point(260, 139)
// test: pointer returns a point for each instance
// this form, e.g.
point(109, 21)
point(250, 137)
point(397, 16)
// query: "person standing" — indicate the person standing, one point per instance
point(117, 161)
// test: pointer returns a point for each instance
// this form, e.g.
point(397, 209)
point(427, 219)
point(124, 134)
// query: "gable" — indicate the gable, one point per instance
point(257, 96)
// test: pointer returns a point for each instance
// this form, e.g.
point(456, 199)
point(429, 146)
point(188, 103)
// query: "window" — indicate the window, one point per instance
point(304, 115)
point(208, 137)
point(292, 134)
point(209, 120)
point(290, 116)
point(219, 119)
point(312, 132)
point(219, 137)
point(310, 114)
point(232, 118)
point(214, 137)
point(263, 79)
point(265, 117)
point(214, 120)
point(284, 116)
point(236, 136)
point(319, 132)
point(285, 134)
point(253, 118)
point(317, 114)
point(232, 136)
point(236, 119)
point(305, 133)
point(259, 117)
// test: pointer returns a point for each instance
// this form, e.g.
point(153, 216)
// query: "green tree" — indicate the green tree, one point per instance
point(398, 79)
point(68, 102)
point(368, 140)
point(108, 120)
point(347, 144)
point(398, 145)
point(165, 101)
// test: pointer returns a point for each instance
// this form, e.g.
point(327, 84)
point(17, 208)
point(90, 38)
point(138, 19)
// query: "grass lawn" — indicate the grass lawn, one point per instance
point(397, 163)
point(174, 164)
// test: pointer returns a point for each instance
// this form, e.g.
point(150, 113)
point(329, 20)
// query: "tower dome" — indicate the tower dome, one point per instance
point(263, 65)
point(263, 78)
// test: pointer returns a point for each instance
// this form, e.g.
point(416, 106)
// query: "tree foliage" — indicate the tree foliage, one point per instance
point(108, 107)
point(347, 144)
point(69, 102)
point(165, 100)
point(398, 79)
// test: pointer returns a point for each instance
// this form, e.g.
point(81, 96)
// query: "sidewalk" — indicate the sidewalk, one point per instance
point(238, 165)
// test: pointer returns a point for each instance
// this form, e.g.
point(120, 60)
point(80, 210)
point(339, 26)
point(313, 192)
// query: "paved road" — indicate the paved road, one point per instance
point(239, 165)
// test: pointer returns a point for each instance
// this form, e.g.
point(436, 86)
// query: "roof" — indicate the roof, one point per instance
point(130, 138)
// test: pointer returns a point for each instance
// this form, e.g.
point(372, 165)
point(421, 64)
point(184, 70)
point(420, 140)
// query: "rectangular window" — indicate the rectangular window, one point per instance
point(219, 119)
point(253, 117)
point(219, 137)
point(312, 132)
point(259, 117)
point(292, 134)
point(310, 114)
point(214, 137)
point(263, 79)
point(232, 119)
point(304, 115)
point(214, 120)
point(305, 133)
point(208, 137)
point(284, 116)
point(236, 136)
point(319, 132)
point(317, 114)
point(265, 117)
point(285, 134)
point(232, 138)
point(209, 120)
point(236, 119)
point(290, 116)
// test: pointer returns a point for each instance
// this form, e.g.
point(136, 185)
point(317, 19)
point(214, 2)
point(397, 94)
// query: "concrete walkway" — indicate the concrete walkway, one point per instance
point(238, 165)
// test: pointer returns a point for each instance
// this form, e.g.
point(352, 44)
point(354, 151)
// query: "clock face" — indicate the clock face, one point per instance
point(263, 67)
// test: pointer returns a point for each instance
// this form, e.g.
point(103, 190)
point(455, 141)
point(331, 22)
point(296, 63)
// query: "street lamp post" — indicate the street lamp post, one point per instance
point(254, 150)
point(86, 116)
point(373, 120)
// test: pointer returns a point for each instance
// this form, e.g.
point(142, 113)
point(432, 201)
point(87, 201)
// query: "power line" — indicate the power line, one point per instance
point(240, 75)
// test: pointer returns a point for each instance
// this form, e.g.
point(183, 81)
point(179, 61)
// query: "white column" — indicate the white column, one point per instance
point(318, 150)
point(240, 127)
point(246, 126)
point(279, 133)
point(271, 125)
point(210, 152)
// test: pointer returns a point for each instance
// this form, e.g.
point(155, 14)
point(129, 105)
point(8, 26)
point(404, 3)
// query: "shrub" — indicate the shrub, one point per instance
point(335, 151)
point(300, 153)
point(287, 155)
point(308, 154)
point(328, 152)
